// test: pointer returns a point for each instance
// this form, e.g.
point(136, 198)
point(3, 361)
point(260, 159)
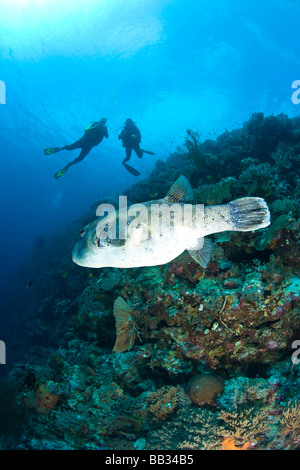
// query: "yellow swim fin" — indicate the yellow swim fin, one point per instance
point(60, 172)
point(51, 150)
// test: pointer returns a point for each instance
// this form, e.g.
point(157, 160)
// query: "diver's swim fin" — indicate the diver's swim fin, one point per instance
point(60, 172)
point(51, 150)
point(148, 151)
point(131, 170)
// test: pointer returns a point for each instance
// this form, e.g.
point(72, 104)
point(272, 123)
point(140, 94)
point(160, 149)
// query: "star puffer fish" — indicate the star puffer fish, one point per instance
point(157, 231)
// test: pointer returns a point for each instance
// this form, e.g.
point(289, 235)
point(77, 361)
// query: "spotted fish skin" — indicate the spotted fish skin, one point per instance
point(152, 247)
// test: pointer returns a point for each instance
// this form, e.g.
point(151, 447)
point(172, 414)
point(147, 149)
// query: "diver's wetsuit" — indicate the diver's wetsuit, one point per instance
point(131, 138)
point(90, 139)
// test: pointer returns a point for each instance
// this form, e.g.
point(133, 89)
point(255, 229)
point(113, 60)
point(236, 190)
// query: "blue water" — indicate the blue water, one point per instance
point(168, 64)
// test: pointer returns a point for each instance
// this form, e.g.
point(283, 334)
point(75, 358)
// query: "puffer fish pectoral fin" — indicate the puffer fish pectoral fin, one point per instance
point(202, 251)
point(180, 191)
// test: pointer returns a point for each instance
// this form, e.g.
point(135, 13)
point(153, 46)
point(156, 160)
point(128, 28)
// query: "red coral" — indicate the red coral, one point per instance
point(43, 400)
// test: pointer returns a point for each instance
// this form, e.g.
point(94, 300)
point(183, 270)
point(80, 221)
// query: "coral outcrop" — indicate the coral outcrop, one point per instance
point(101, 358)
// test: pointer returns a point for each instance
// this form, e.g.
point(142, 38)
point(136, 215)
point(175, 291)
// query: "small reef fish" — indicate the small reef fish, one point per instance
point(153, 238)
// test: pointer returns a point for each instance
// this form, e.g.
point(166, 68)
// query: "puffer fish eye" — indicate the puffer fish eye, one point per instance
point(82, 232)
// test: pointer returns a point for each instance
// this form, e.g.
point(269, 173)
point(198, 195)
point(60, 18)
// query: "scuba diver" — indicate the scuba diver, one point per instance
point(93, 135)
point(131, 139)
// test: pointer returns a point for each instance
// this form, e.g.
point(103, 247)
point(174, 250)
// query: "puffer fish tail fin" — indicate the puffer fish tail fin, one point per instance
point(249, 213)
point(202, 251)
point(180, 191)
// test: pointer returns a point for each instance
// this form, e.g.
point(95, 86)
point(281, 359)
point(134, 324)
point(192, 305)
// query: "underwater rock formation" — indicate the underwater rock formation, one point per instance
point(203, 389)
point(97, 372)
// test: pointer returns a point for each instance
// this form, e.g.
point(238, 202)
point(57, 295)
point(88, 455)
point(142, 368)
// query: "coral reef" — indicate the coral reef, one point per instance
point(118, 358)
point(204, 388)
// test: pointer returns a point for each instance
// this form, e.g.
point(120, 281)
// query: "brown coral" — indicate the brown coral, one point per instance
point(204, 388)
point(43, 400)
point(291, 422)
point(243, 426)
point(163, 402)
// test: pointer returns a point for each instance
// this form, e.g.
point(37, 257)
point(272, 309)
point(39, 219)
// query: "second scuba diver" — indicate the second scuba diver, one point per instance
point(131, 139)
